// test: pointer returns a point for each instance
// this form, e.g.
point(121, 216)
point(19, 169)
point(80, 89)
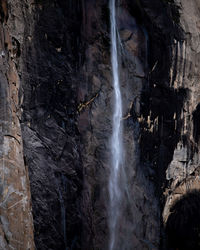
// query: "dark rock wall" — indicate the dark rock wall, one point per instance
point(51, 139)
point(55, 64)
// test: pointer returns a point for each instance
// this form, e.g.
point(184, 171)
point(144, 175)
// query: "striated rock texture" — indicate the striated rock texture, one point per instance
point(16, 225)
point(183, 171)
point(57, 94)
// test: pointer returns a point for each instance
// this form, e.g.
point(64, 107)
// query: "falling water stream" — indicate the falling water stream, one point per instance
point(116, 139)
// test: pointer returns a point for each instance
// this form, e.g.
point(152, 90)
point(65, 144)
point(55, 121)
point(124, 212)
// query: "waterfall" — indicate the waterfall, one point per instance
point(116, 139)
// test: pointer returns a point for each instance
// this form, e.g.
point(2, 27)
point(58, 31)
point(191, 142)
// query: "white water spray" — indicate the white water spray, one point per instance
point(116, 140)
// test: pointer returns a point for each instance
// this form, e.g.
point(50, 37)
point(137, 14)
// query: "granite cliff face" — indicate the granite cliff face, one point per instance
point(16, 227)
point(56, 119)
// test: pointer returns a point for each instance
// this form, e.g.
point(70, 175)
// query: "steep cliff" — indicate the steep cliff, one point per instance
point(57, 94)
point(16, 226)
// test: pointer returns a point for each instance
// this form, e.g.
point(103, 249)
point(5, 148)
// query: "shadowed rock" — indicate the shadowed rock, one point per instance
point(183, 224)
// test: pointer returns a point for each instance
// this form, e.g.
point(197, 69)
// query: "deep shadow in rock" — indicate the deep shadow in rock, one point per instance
point(196, 123)
point(183, 227)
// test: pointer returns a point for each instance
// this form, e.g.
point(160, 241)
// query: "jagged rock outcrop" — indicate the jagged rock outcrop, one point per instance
point(56, 94)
